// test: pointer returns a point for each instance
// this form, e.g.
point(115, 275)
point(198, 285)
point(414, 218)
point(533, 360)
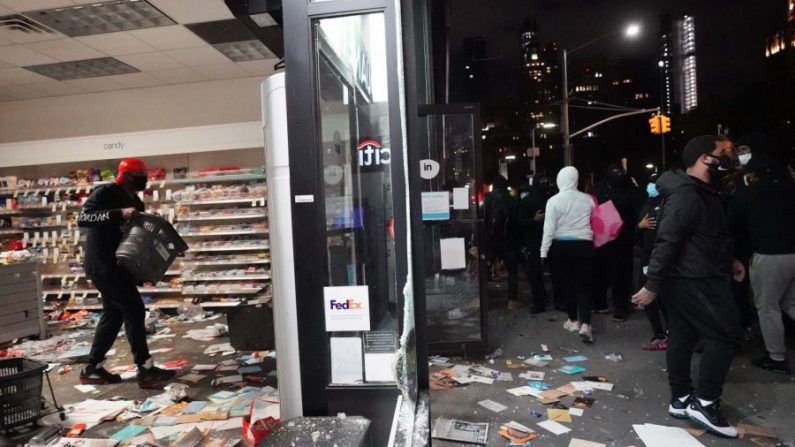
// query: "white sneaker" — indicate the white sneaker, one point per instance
point(571, 326)
point(586, 333)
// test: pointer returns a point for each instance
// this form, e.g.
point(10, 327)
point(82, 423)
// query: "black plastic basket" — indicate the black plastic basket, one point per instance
point(149, 247)
point(20, 392)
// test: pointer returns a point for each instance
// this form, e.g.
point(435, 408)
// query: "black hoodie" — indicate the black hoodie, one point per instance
point(102, 216)
point(693, 240)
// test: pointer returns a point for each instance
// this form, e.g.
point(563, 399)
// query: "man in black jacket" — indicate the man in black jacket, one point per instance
point(105, 214)
point(691, 267)
point(501, 234)
point(532, 203)
point(766, 210)
point(615, 259)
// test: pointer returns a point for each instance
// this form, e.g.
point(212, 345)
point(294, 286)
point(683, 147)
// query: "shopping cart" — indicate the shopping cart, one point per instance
point(21, 400)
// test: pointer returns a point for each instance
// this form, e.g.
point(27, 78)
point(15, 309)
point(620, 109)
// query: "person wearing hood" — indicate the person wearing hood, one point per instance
point(532, 203)
point(567, 231)
point(691, 267)
point(765, 209)
point(614, 260)
point(647, 227)
point(501, 234)
point(105, 215)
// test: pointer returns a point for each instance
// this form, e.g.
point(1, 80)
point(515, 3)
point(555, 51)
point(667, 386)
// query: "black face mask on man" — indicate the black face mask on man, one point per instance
point(718, 170)
point(138, 182)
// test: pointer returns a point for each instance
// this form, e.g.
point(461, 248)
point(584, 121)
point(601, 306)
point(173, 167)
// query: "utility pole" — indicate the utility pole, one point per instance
point(564, 114)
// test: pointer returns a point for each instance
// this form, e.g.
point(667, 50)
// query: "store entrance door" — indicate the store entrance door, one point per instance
point(455, 275)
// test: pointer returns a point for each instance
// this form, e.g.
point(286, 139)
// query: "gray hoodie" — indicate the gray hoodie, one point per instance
point(568, 213)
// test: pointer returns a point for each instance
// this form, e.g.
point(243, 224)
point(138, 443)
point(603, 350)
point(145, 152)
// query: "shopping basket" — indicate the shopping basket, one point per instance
point(149, 247)
point(20, 392)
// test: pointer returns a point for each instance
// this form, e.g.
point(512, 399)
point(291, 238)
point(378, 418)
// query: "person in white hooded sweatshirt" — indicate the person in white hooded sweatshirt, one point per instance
point(568, 234)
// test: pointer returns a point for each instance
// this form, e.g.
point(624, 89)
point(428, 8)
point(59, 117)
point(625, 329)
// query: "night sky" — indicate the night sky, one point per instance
point(730, 34)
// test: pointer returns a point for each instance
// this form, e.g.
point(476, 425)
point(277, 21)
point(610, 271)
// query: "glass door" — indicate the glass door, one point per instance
point(455, 280)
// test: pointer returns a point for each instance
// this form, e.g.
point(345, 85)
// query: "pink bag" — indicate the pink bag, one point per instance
point(606, 223)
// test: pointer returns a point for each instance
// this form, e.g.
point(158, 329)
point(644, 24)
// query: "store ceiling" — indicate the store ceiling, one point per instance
point(68, 47)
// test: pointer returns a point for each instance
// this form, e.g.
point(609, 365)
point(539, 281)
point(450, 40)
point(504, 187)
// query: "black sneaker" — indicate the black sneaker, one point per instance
point(709, 417)
point(619, 317)
point(602, 311)
point(91, 375)
point(154, 377)
point(678, 409)
point(776, 366)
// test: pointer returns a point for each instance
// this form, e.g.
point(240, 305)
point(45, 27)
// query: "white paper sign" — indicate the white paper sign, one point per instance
point(460, 198)
point(453, 251)
point(378, 367)
point(347, 308)
point(346, 359)
point(436, 205)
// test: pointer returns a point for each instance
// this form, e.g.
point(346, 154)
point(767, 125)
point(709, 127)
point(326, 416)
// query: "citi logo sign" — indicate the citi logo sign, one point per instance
point(372, 154)
point(345, 305)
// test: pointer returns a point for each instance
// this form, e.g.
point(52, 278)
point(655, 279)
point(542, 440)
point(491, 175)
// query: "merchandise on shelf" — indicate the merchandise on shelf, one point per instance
point(218, 192)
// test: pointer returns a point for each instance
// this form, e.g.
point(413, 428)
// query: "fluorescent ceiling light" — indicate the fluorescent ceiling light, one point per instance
point(89, 68)
point(101, 18)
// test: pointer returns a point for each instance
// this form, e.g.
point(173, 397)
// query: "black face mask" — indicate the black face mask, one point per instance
point(138, 182)
point(719, 170)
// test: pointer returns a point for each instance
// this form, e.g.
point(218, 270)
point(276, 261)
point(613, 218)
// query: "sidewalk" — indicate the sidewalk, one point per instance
point(640, 395)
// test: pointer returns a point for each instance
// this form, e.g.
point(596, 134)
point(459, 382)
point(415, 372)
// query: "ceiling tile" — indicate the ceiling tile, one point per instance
point(17, 35)
point(5, 65)
point(136, 80)
point(101, 84)
point(32, 5)
point(56, 88)
point(27, 92)
point(65, 50)
point(179, 75)
point(222, 71)
point(258, 67)
point(116, 44)
point(194, 57)
point(194, 10)
point(150, 61)
point(21, 76)
point(168, 37)
point(20, 56)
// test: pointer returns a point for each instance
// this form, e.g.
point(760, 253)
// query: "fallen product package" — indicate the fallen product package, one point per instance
point(661, 436)
point(461, 431)
point(208, 333)
point(93, 412)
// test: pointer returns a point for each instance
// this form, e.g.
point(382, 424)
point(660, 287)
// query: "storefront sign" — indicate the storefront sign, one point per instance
point(372, 154)
point(347, 308)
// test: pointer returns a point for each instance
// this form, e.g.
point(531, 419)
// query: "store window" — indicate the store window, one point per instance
point(361, 292)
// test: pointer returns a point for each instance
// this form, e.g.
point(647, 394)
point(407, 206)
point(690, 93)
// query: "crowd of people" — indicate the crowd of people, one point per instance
point(715, 243)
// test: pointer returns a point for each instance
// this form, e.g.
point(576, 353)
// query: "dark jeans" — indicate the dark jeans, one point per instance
point(614, 271)
point(510, 257)
point(121, 304)
point(535, 275)
point(557, 287)
point(700, 309)
point(743, 300)
point(573, 261)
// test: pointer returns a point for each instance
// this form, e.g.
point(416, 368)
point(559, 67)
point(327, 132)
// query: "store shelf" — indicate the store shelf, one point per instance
point(159, 290)
point(69, 292)
point(228, 262)
point(150, 306)
point(28, 191)
point(223, 217)
point(10, 232)
point(224, 233)
point(230, 248)
point(226, 278)
point(222, 201)
point(7, 212)
point(226, 292)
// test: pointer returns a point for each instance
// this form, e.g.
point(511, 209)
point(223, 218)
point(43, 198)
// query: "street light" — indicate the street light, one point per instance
point(533, 142)
point(631, 31)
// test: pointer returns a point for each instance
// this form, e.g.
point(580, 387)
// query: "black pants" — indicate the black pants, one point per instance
point(121, 304)
point(557, 287)
point(535, 275)
point(510, 257)
point(700, 309)
point(614, 265)
point(743, 300)
point(573, 261)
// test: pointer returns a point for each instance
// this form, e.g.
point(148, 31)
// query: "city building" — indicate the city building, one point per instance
point(780, 50)
point(678, 64)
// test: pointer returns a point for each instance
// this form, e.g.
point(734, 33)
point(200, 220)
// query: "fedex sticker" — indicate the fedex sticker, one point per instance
point(347, 308)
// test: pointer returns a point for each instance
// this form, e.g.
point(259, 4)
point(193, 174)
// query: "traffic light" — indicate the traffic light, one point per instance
point(654, 123)
point(665, 124)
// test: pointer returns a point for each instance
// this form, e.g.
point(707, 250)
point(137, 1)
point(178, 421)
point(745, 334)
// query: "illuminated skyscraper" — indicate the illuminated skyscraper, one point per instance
point(678, 64)
point(780, 50)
